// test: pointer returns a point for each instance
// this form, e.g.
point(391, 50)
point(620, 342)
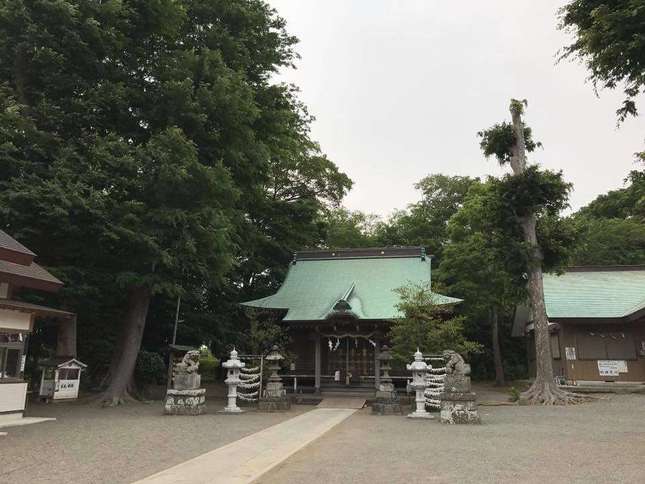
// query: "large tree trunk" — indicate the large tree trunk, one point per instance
point(544, 390)
point(125, 357)
point(497, 352)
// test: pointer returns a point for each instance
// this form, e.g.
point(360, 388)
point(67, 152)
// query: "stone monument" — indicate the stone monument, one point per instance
point(186, 397)
point(233, 365)
point(419, 368)
point(458, 402)
point(387, 400)
point(274, 397)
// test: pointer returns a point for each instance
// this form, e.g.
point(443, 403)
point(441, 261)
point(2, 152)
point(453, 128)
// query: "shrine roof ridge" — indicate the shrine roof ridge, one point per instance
point(361, 253)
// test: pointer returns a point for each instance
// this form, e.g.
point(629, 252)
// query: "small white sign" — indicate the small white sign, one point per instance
point(570, 352)
point(22, 363)
point(611, 367)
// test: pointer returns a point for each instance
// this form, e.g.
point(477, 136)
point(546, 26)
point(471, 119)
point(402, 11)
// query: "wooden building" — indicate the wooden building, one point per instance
point(19, 271)
point(338, 305)
point(597, 323)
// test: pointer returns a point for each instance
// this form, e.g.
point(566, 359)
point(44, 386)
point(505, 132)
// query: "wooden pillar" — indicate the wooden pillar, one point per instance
point(317, 363)
point(377, 364)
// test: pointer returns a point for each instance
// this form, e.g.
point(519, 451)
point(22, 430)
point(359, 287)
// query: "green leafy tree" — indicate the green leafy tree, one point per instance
point(426, 326)
point(425, 222)
point(628, 202)
point(524, 198)
point(145, 153)
point(483, 265)
point(608, 38)
point(609, 242)
point(345, 228)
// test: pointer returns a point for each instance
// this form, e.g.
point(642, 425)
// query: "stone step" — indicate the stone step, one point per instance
point(347, 394)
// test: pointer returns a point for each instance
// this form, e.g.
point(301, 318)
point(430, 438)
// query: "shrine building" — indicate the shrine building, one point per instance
point(596, 322)
point(18, 271)
point(339, 305)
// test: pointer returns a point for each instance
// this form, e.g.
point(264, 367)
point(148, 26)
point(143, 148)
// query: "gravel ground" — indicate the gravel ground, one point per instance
point(89, 444)
point(602, 441)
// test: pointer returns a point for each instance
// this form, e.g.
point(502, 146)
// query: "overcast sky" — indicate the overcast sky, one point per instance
point(400, 88)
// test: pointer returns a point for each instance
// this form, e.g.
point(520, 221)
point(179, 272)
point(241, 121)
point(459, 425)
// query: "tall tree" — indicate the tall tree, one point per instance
point(425, 222)
point(608, 38)
point(146, 151)
point(484, 265)
point(528, 193)
point(345, 228)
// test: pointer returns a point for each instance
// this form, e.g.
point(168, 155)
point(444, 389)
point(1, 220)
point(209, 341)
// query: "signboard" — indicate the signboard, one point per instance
point(570, 352)
point(611, 367)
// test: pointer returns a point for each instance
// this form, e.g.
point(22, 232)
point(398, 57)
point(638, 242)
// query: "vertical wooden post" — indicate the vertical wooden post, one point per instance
point(317, 363)
point(377, 365)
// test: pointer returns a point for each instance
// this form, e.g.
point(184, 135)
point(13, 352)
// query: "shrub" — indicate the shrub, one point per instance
point(208, 365)
point(150, 368)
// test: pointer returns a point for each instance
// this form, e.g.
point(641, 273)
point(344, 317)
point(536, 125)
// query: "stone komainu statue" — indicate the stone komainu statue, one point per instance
point(457, 372)
point(189, 363)
point(458, 403)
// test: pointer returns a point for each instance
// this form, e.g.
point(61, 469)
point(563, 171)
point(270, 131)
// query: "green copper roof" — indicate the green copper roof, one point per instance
point(595, 293)
point(317, 288)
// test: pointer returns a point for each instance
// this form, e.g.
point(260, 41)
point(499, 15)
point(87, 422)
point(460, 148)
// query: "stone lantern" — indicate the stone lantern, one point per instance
point(275, 395)
point(233, 365)
point(419, 368)
point(387, 400)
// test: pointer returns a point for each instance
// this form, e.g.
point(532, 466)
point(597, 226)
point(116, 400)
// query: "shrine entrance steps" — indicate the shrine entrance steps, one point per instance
point(245, 460)
point(341, 391)
point(342, 402)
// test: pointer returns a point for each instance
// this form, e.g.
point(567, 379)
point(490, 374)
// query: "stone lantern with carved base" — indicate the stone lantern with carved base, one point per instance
point(387, 400)
point(233, 365)
point(274, 397)
point(419, 368)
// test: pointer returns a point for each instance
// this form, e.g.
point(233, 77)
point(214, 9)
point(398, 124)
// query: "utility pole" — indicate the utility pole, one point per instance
point(177, 321)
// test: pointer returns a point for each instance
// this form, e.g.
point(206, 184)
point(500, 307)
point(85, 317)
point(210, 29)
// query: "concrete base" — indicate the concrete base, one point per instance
point(424, 415)
point(274, 404)
point(386, 403)
point(386, 408)
point(185, 402)
point(19, 421)
point(459, 408)
point(231, 411)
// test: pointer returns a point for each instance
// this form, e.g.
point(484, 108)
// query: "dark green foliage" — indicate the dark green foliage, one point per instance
point(610, 229)
point(498, 140)
point(609, 242)
point(208, 366)
point(345, 228)
point(622, 203)
point(425, 222)
point(150, 368)
point(608, 38)
point(145, 143)
point(427, 327)
point(534, 191)
point(266, 329)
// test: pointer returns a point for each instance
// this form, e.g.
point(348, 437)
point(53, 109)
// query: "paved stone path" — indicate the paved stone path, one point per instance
point(247, 459)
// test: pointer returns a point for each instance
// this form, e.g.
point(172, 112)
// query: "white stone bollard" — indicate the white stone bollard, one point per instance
point(419, 368)
point(233, 366)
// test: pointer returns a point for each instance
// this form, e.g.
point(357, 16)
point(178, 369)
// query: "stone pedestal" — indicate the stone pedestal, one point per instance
point(185, 402)
point(187, 381)
point(459, 408)
point(386, 403)
point(269, 404)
